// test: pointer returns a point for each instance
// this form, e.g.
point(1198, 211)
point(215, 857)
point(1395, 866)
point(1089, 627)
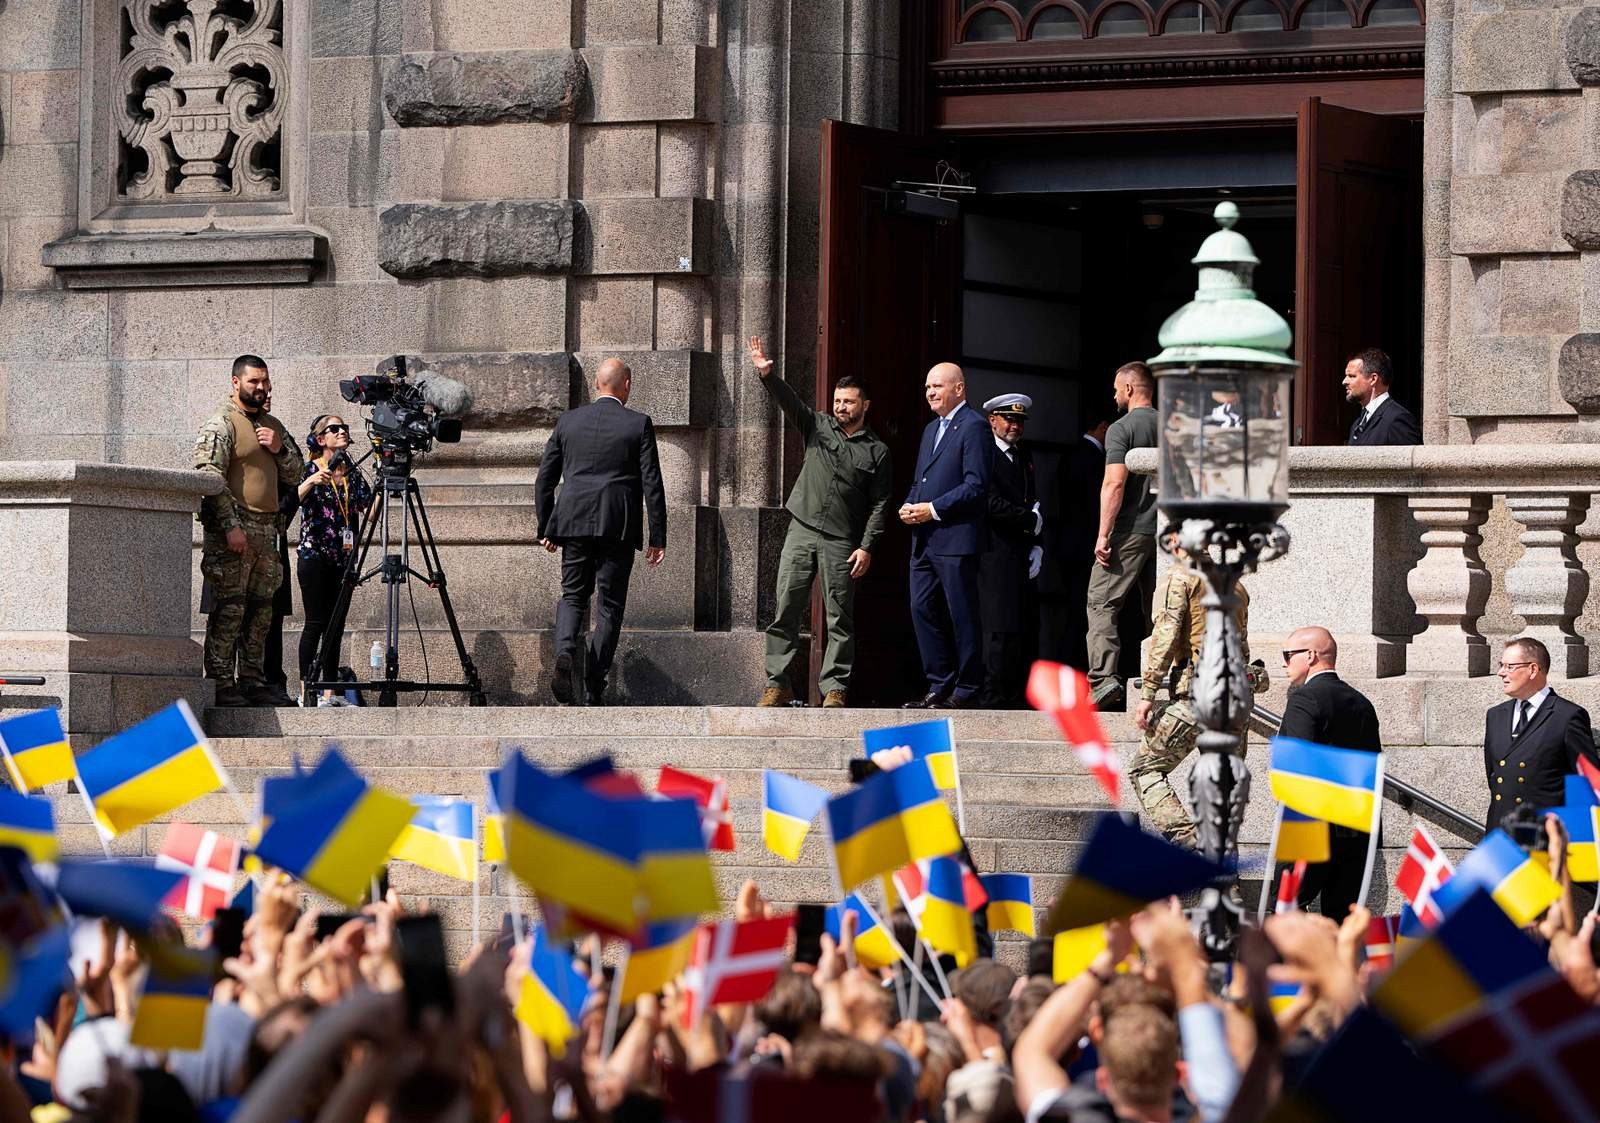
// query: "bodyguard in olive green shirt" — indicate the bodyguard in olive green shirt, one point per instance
point(839, 505)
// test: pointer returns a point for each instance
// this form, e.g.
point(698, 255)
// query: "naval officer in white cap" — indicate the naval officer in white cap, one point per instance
point(1008, 570)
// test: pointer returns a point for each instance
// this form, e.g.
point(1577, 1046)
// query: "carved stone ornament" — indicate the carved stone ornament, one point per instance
point(210, 87)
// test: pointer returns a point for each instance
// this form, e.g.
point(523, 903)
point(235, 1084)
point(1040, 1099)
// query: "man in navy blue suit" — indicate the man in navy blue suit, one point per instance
point(947, 511)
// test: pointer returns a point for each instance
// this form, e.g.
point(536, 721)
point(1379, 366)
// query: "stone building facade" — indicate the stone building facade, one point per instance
point(514, 189)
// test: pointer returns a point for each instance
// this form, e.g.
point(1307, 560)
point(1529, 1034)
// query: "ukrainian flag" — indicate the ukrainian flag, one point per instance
point(932, 741)
point(875, 945)
point(553, 993)
point(946, 924)
point(658, 957)
point(1519, 883)
point(146, 771)
point(1072, 952)
point(1410, 931)
point(1121, 870)
point(1281, 996)
point(440, 837)
point(1010, 902)
point(29, 824)
point(494, 825)
point(127, 893)
point(30, 978)
point(1341, 786)
point(1301, 838)
point(172, 1008)
point(674, 865)
point(577, 848)
point(788, 807)
point(335, 837)
point(36, 750)
point(1582, 863)
point(1475, 953)
point(892, 819)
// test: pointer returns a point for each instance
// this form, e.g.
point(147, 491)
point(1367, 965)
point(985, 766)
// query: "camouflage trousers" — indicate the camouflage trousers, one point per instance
point(244, 585)
point(1170, 737)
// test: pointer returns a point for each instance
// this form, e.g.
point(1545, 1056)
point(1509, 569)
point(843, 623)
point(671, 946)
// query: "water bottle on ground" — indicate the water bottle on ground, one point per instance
point(377, 658)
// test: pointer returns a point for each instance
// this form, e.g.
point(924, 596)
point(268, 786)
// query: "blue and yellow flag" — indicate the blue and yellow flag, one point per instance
point(1473, 954)
point(494, 824)
point(1301, 838)
point(1343, 786)
point(29, 824)
point(144, 772)
point(889, 821)
point(1520, 883)
point(440, 837)
point(34, 945)
point(129, 894)
point(1281, 996)
point(875, 945)
point(579, 849)
point(657, 957)
point(553, 993)
point(1410, 930)
point(1010, 902)
point(1073, 950)
point(336, 835)
point(675, 866)
point(932, 741)
point(1583, 864)
point(1121, 870)
point(171, 1013)
point(945, 922)
point(788, 808)
point(36, 750)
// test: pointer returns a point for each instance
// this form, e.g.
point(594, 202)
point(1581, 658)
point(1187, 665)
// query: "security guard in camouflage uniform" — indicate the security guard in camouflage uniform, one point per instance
point(1170, 728)
point(255, 456)
point(839, 507)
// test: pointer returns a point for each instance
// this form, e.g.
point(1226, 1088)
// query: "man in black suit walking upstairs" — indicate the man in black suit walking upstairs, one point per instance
point(1533, 739)
point(1325, 710)
point(603, 456)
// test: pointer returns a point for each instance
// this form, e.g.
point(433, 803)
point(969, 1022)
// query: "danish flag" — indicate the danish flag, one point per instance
point(1424, 869)
point(207, 860)
point(734, 961)
point(1289, 889)
point(1382, 933)
point(1063, 693)
point(911, 886)
point(710, 795)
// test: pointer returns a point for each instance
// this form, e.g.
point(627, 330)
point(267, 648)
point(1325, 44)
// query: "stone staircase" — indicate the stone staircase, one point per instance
point(1028, 804)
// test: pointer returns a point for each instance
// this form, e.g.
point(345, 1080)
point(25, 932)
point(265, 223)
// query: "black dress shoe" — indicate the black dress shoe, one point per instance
point(932, 700)
point(960, 702)
point(594, 694)
point(561, 680)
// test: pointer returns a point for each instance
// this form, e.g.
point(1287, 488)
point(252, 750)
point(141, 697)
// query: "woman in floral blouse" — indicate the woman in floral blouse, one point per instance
point(333, 496)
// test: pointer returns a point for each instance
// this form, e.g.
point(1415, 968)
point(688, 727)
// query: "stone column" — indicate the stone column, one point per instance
point(1450, 586)
point(1547, 585)
point(96, 596)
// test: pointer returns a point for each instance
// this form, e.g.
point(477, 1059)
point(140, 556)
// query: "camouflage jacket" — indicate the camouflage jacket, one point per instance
point(1179, 629)
point(214, 452)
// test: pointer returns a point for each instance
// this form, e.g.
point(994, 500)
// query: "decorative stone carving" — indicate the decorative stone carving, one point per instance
point(1580, 210)
point(208, 88)
point(1547, 585)
point(485, 88)
point(1450, 586)
point(1578, 377)
point(1583, 46)
point(476, 240)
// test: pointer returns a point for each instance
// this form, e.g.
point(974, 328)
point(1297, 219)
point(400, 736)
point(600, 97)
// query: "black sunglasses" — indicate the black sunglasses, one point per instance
point(1290, 654)
point(336, 429)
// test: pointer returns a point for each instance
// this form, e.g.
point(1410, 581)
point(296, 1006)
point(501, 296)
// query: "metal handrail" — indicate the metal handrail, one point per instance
point(1406, 795)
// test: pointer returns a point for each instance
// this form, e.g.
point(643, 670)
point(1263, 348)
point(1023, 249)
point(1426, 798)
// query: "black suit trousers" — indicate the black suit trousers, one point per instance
point(590, 566)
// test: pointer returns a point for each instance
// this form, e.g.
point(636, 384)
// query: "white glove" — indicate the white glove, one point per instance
point(1035, 561)
point(1038, 520)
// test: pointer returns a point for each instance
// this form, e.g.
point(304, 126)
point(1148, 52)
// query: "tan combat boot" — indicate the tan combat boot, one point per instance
point(776, 696)
point(835, 700)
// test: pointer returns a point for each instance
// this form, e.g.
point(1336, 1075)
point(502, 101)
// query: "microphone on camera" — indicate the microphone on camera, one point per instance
point(448, 397)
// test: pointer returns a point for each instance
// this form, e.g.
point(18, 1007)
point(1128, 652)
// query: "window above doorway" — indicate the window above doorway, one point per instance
point(1059, 21)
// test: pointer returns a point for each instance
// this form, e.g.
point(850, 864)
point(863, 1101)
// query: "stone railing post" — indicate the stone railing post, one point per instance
point(1450, 586)
point(1547, 585)
point(98, 588)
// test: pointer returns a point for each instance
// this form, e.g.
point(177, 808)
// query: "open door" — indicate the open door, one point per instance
point(1358, 260)
point(886, 310)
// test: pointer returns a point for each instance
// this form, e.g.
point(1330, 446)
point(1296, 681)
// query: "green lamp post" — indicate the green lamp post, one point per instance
point(1224, 375)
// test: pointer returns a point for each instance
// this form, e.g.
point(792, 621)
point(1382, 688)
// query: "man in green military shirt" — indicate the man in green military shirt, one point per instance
point(839, 505)
point(255, 456)
point(1170, 729)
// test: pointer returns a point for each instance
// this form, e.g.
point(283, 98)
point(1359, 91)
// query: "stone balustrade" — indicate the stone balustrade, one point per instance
point(1385, 553)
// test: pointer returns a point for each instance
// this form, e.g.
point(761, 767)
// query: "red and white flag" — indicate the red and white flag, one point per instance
point(1382, 932)
point(1423, 870)
point(711, 796)
point(734, 962)
point(207, 860)
point(911, 887)
point(1289, 889)
point(1063, 693)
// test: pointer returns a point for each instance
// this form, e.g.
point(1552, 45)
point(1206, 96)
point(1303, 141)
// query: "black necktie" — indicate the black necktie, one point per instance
point(1361, 426)
point(1522, 718)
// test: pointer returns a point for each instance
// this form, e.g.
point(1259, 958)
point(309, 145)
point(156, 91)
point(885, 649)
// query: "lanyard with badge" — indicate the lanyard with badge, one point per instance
point(341, 496)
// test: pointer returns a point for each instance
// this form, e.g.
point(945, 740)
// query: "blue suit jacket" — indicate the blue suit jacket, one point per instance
point(955, 479)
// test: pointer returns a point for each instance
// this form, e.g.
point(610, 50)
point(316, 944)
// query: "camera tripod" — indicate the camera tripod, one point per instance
point(393, 570)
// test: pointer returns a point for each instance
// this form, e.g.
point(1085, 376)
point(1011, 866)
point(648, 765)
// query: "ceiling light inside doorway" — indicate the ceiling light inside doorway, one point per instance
point(1153, 220)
